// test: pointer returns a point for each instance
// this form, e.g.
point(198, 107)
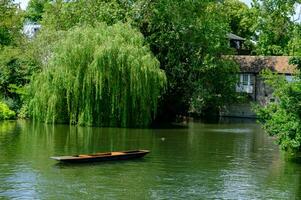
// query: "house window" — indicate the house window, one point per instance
point(246, 79)
point(289, 78)
point(246, 82)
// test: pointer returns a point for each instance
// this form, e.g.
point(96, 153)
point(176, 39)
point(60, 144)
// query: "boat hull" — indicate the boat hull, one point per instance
point(102, 157)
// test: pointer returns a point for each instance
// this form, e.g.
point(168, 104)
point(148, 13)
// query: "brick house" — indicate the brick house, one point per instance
point(252, 84)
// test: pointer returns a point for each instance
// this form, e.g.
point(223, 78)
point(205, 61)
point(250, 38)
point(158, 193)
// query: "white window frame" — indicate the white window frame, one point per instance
point(246, 82)
point(246, 79)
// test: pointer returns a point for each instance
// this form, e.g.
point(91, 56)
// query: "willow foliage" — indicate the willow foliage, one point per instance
point(103, 76)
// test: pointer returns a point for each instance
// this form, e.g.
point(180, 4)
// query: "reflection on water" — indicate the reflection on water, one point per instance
point(202, 161)
point(234, 130)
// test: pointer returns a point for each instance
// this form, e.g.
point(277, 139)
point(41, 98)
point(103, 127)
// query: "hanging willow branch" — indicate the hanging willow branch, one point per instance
point(103, 76)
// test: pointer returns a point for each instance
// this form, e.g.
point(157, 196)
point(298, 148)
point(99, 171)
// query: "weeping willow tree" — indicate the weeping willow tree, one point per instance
point(101, 76)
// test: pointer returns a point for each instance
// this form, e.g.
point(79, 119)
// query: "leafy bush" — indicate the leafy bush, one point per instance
point(5, 112)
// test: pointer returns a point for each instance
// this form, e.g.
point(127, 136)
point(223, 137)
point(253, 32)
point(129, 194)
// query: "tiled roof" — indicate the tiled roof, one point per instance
point(254, 64)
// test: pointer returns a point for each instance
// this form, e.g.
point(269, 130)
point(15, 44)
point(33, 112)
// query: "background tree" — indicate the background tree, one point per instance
point(188, 38)
point(10, 23)
point(294, 45)
point(62, 15)
point(274, 26)
point(12, 69)
point(242, 19)
point(35, 9)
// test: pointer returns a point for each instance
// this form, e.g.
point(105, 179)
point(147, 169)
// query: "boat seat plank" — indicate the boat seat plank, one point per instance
point(117, 153)
point(84, 155)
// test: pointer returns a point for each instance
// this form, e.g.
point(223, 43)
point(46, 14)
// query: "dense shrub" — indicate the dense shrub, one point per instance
point(5, 112)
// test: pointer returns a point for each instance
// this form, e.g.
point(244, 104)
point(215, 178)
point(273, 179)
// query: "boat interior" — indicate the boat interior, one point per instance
point(106, 154)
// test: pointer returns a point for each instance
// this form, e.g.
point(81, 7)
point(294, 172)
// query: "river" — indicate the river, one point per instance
point(234, 160)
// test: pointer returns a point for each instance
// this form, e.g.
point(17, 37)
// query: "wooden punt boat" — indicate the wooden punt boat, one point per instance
point(108, 156)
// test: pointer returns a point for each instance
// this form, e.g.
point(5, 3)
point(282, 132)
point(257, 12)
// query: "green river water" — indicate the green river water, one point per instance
point(197, 161)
